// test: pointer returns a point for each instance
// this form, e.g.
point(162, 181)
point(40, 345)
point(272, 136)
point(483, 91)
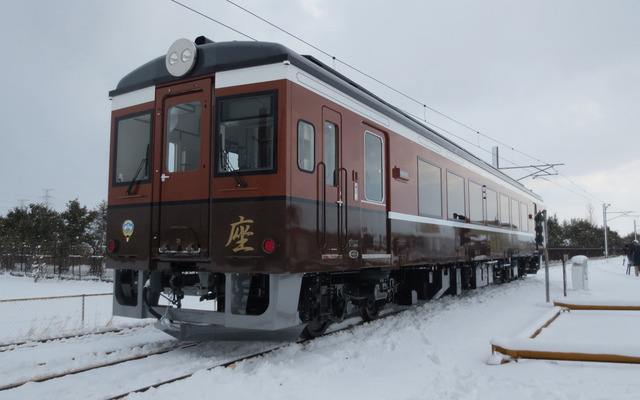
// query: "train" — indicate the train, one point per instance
point(256, 193)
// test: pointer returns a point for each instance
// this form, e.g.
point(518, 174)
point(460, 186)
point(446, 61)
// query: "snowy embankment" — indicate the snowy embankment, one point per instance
point(439, 350)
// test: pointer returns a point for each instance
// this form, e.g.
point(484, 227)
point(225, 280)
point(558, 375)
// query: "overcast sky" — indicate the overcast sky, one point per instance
point(552, 81)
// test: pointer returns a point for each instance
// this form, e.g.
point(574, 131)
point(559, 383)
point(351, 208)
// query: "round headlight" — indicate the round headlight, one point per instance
point(181, 57)
point(173, 58)
point(187, 54)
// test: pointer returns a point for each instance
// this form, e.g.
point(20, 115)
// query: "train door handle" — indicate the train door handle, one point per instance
point(164, 177)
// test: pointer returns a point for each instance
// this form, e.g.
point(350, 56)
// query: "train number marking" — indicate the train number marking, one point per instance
point(239, 233)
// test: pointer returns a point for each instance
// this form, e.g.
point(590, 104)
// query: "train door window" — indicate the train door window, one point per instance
point(306, 146)
point(331, 153)
point(245, 139)
point(524, 217)
point(429, 189)
point(515, 214)
point(476, 206)
point(455, 197)
point(373, 167)
point(183, 137)
point(132, 148)
point(492, 207)
point(505, 221)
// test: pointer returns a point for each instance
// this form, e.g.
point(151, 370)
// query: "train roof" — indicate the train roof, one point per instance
point(215, 57)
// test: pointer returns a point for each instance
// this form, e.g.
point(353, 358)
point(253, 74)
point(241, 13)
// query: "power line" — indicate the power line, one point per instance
point(213, 20)
point(425, 106)
point(394, 90)
point(335, 59)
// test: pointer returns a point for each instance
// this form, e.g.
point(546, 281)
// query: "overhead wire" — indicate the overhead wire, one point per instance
point(374, 79)
point(425, 106)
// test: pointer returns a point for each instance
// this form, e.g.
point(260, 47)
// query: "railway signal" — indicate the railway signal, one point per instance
point(539, 220)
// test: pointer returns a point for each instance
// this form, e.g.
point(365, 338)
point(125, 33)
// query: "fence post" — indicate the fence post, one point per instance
point(83, 296)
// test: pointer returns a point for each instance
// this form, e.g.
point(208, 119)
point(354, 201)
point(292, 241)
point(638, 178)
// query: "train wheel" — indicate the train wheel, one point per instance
point(369, 310)
point(314, 329)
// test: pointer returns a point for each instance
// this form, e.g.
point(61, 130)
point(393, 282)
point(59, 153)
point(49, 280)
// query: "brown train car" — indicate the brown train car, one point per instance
point(257, 193)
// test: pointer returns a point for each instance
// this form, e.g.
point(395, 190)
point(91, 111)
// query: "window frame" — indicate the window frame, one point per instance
point(515, 202)
point(218, 121)
point(464, 197)
point(171, 162)
point(524, 216)
point(497, 207)
point(482, 210)
point(382, 168)
point(505, 221)
point(117, 120)
point(313, 146)
point(430, 164)
point(331, 148)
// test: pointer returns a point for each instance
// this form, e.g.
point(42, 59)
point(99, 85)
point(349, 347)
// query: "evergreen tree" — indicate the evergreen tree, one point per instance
point(555, 235)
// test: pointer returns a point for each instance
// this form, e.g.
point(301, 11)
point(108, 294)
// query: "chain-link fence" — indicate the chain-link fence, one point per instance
point(24, 320)
point(80, 267)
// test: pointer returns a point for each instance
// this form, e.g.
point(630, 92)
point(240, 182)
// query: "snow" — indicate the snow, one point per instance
point(439, 350)
point(17, 287)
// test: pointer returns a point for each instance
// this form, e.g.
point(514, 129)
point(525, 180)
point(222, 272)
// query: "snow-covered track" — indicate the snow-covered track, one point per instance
point(185, 376)
point(138, 356)
point(231, 363)
point(33, 343)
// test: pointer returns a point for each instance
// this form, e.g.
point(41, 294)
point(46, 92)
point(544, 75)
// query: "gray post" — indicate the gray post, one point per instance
point(546, 256)
point(604, 219)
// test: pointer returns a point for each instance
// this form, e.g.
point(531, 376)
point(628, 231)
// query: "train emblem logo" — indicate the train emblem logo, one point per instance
point(239, 235)
point(127, 229)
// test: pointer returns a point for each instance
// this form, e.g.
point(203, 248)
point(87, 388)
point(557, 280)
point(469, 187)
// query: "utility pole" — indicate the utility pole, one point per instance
point(604, 219)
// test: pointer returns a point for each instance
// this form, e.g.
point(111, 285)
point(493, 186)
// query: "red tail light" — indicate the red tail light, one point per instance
point(112, 246)
point(268, 246)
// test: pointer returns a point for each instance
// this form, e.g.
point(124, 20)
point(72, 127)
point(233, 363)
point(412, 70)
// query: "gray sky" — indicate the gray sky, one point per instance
point(553, 81)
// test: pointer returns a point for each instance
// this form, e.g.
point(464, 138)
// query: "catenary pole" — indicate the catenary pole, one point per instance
point(546, 257)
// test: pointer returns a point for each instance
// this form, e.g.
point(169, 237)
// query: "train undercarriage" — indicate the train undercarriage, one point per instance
point(195, 305)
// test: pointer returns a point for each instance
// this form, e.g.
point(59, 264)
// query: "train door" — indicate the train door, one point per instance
point(339, 221)
point(182, 174)
point(334, 222)
point(375, 228)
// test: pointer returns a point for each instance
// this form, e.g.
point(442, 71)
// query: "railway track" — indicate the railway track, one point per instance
point(47, 377)
point(233, 362)
point(225, 360)
point(33, 343)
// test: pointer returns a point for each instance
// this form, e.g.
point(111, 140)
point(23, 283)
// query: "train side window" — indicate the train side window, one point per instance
point(455, 197)
point(306, 146)
point(476, 206)
point(331, 153)
point(132, 148)
point(492, 207)
point(245, 138)
point(373, 167)
point(524, 217)
point(505, 221)
point(183, 137)
point(515, 214)
point(429, 189)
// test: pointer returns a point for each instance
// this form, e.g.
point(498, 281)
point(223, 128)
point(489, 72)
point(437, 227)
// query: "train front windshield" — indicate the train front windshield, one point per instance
point(133, 138)
point(245, 141)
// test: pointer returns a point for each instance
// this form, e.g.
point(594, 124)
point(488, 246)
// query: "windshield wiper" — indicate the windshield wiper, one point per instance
point(229, 167)
point(143, 163)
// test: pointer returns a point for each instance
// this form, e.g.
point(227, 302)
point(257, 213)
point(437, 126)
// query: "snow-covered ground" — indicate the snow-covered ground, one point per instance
point(440, 350)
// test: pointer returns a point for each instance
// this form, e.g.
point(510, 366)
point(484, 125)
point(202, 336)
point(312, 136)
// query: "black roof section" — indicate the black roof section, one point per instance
point(224, 56)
